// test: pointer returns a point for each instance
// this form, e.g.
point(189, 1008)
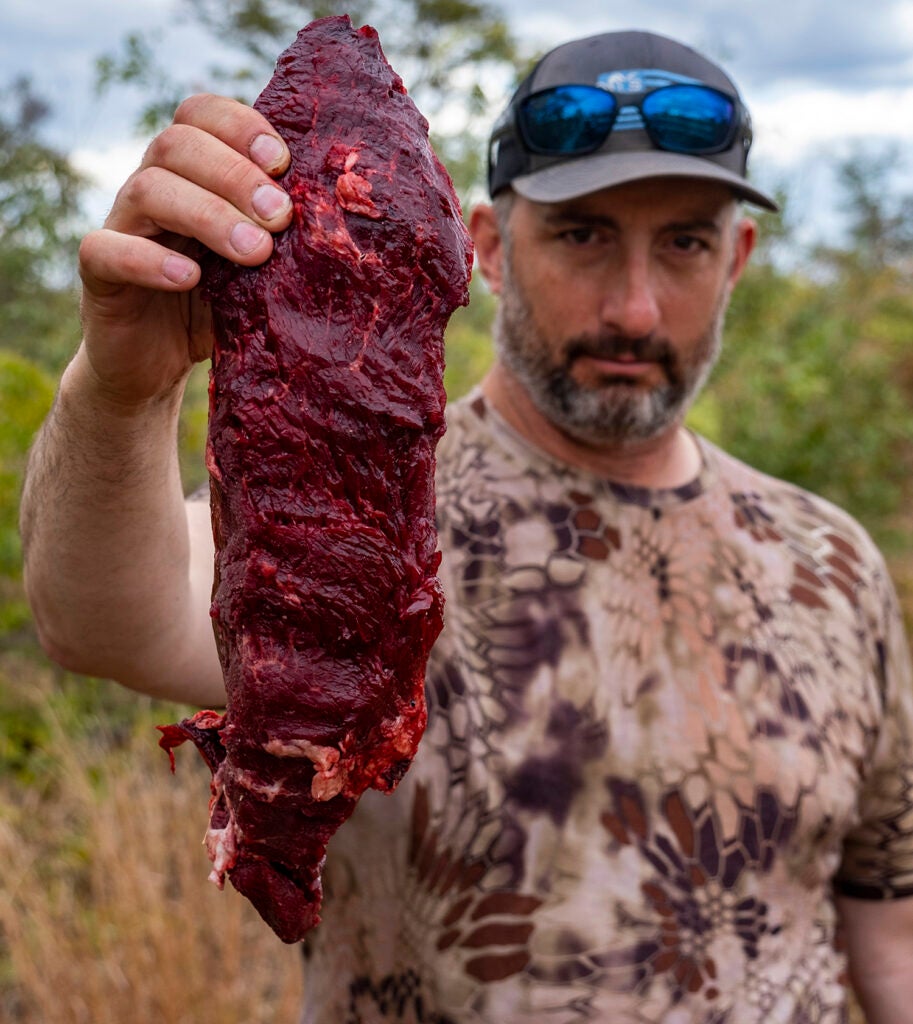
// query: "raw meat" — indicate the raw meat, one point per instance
point(326, 405)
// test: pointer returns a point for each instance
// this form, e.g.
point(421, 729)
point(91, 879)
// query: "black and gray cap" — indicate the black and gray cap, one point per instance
point(624, 63)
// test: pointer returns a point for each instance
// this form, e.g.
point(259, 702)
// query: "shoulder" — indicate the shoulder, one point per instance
point(786, 503)
point(828, 549)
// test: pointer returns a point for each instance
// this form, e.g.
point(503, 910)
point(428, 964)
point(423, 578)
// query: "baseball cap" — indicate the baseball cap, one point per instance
point(629, 66)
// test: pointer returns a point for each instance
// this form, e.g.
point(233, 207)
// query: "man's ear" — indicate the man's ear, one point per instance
point(489, 247)
point(746, 234)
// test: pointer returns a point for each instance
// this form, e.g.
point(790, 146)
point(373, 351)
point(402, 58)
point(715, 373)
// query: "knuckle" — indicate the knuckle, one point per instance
point(162, 148)
point(132, 262)
point(211, 216)
point(240, 177)
point(140, 186)
point(190, 109)
point(89, 248)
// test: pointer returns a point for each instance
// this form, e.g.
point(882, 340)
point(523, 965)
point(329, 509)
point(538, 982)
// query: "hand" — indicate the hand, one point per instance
point(205, 179)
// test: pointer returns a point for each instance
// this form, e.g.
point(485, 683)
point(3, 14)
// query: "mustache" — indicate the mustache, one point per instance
point(617, 346)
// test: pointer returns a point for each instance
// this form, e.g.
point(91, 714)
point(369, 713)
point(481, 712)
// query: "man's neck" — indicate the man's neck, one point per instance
point(672, 459)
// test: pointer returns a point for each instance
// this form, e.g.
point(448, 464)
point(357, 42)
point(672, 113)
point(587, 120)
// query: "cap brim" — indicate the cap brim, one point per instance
point(582, 175)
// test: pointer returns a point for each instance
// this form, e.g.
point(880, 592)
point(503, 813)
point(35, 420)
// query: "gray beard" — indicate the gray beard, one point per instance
point(620, 411)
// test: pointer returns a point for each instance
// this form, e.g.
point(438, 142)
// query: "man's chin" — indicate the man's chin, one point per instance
point(596, 420)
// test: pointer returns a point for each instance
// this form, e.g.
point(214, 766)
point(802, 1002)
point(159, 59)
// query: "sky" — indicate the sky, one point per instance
point(820, 76)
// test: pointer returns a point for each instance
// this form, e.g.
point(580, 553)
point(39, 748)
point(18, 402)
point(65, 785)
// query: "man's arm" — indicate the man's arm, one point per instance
point(117, 569)
point(117, 573)
point(879, 938)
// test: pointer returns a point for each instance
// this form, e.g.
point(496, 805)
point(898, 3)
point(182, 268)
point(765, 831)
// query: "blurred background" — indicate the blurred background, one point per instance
point(105, 912)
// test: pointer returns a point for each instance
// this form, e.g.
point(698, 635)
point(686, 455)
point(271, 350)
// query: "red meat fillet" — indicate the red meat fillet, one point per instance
point(326, 406)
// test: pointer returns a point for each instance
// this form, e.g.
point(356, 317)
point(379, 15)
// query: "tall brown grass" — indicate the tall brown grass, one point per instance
point(106, 914)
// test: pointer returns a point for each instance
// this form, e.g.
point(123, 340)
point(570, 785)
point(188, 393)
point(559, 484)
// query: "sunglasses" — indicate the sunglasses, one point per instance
point(572, 120)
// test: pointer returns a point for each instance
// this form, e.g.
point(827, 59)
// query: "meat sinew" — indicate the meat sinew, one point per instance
point(326, 405)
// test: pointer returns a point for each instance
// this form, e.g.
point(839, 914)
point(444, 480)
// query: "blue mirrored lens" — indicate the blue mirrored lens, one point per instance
point(689, 118)
point(569, 119)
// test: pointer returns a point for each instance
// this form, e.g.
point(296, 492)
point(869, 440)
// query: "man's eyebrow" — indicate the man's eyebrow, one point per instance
point(578, 215)
point(560, 215)
point(706, 224)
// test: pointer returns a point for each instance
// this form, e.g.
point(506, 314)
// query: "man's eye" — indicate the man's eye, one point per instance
point(688, 243)
point(580, 236)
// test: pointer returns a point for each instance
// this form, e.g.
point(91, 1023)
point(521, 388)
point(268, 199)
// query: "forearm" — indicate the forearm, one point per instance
point(879, 942)
point(886, 997)
point(107, 559)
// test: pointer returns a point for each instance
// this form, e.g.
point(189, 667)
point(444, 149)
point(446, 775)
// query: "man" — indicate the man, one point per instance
point(670, 714)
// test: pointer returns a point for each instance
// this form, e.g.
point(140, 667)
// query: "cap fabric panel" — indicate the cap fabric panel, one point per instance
point(583, 60)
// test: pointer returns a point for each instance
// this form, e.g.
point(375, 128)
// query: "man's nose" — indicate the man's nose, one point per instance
point(630, 304)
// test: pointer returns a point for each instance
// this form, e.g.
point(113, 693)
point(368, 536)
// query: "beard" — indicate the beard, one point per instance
point(617, 409)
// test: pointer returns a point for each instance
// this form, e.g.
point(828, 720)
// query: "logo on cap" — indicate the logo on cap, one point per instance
point(635, 80)
point(626, 82)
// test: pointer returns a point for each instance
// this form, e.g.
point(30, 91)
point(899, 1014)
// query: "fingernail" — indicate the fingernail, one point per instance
point(177, 269)
point(267, 151)
point(245, 237)
point(269, 201)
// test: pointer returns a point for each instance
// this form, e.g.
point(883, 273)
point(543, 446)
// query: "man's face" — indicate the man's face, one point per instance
point(612, 305)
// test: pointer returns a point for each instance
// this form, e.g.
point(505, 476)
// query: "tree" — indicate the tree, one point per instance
point(40, 192)
point(39, 203)
point(455, 56)
point(880, 219)
point(469, 347)
point(815, 384)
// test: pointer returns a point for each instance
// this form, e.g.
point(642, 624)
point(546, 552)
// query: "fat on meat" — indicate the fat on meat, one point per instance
point(326, 403)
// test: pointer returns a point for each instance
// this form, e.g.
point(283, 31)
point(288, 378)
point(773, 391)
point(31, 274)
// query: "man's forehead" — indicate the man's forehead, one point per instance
point(675, 197)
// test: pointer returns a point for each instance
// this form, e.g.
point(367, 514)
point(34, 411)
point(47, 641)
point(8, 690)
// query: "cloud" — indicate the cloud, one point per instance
point(107, 168)
point(812, 42)
point(821, 119)
point(58, 52)
point(835, 44)
point(817, 74)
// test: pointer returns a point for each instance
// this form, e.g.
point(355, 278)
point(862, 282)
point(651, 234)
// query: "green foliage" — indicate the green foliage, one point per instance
point(39, 200)
point(25, 735)
point(39, 703)
point(26, 392)
point(881, 222)
point(469, 350)
point(815, 384)
point(136, 66)
point(193, 427)
point(38, 187)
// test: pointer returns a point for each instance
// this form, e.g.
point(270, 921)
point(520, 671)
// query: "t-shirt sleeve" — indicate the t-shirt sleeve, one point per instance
point(878, 852)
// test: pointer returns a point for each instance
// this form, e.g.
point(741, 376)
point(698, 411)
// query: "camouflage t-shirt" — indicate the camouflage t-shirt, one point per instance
point(664, 725)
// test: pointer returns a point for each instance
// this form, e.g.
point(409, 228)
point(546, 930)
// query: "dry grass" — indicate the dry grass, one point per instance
point(106, 914)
